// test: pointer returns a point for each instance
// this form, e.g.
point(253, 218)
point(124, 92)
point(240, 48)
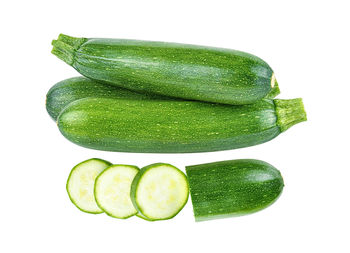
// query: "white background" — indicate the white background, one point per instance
point(306, 43)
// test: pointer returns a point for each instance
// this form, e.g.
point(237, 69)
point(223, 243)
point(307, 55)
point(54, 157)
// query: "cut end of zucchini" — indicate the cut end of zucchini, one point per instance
point(159, 191)
point(80, 184)
point(65, 46)
point(112, 191)
point(289, 112)
point(275, 89)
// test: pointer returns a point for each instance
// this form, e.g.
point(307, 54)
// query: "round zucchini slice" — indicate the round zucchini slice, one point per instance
point(112, 190)
point(159, 191)
point(80, 184)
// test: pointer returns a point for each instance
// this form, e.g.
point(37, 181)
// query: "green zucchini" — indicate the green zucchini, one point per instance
point(170, 69)
point(232, 188)
point(80, 184)
point(69, 90)
point(159, 191)
point(155, 126)
point(112, 190)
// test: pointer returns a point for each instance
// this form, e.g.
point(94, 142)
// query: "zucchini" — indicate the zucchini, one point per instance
point(69, 90)
point(159, 191)
point(80, 184)
point(232, 188)
point(112, 190)
point(170, 69)
point(165, 126)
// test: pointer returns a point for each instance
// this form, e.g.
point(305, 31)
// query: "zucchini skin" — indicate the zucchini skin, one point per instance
point(71, 89)
point(170, 69)
point(163, 126)
point(232, 188)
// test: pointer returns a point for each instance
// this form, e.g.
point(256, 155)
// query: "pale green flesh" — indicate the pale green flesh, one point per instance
point(80, 184)
point(161, 192)
point(112, 190)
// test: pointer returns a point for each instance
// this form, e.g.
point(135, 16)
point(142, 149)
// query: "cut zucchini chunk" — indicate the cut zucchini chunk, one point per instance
point(112, 190)
point(159, 191)
point(232, 188)
point(80, 184)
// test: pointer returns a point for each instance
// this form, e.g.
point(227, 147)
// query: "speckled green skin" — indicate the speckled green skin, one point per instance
point(232, 188)
point(163, 126)
point(177, 70)
point(69, 90)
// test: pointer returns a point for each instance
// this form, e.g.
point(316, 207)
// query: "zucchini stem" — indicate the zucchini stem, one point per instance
point(289, 112)
point(65, 46)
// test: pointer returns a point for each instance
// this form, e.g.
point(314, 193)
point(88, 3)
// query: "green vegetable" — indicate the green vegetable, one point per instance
point(80, 184)
point(232, 188)
point(159, 191)
point(112, 190)
point(157, 126)
point(177, 70)
point(69, 90)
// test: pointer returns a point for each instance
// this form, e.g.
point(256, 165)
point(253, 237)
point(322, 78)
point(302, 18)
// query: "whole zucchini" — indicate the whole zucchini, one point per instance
point(164, 126)
point(177, 70)
point(232, 188)
point(69, 90)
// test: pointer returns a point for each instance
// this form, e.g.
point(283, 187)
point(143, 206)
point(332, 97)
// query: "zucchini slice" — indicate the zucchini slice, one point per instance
point(112, 190)
point(80, 184)
point(159, 191)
